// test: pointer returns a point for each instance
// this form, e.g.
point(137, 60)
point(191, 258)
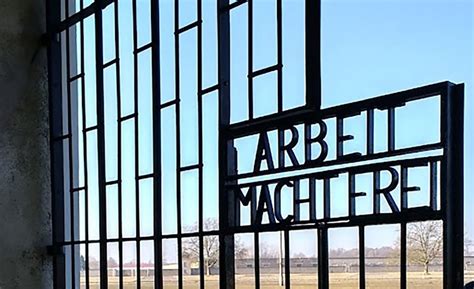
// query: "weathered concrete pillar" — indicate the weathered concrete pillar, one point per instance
point(25, 203)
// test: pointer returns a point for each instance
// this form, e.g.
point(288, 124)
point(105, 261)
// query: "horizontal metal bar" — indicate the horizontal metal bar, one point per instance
point(353, 169)
point(169, 103)
point(142, 238)
point(362, 158)
point(143, 48)
point(110, 63)
point(127, 117)
point(147, 176)
point(54, 251)
point(388, 100)
point(269, 122)
point(233, 5)
point(76, 77)
point(84, 13)
point(91, 128)
point(110, 183)
point(266, 70)
point(190, 167)
point(299, 115)
point(77, 242)
point(191, 234)
point(62, 137)
point(209, 89)
point(78, 189)
point(411, 215)
point(188, 27)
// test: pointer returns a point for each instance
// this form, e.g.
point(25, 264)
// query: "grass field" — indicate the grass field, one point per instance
point(298, 281)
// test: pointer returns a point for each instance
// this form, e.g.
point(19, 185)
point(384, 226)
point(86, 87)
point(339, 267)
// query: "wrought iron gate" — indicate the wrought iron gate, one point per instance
point(73, 131)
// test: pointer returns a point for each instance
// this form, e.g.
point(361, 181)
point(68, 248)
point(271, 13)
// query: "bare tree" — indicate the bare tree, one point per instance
point(83, 263)
point(268, 251)
point(93, 263)
point(424, 242)
point(112, 263)
point(299, 255)
point(210, 246)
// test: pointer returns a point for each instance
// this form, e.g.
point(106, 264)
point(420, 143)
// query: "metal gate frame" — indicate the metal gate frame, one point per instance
point(451, 182)
point(451, 142)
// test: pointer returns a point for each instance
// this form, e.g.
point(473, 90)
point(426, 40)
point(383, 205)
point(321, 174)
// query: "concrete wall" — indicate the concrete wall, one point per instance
point(25, 218)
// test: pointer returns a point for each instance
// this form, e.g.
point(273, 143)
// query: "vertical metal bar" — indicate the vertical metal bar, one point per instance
point(157, 193)
point(391, 128)
point(313, 53)
point(281, 268)
point(280, 54)
point(70, 150)
point(361, 257)
point(101, 146)
point(376, 195)
point(287, 259)
point(250, 58)
point(256, 254)
point(227, 157)
point(370, 131)
point(434, 185)
point(403, 255)
point(119, 142)
point(178, 144)
point(323, 259)
point(452, 179)
point(84, 137)
point(404, 184)
point(200, 143)
point(53, 11)
point(340, 137)
point(136, 129)
point(352, 195)
point(327, 198)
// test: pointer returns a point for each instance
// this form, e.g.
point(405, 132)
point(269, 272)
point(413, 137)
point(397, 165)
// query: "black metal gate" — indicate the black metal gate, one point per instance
point(73, 132)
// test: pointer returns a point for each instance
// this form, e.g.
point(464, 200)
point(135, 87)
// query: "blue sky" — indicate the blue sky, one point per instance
point(374, 47)
point(369, 48)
